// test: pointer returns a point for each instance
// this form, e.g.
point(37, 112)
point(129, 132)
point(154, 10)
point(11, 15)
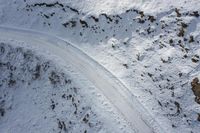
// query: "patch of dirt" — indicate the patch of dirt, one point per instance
point(196, 89)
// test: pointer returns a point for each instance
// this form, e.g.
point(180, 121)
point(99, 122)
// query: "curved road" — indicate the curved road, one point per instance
point(109, 85)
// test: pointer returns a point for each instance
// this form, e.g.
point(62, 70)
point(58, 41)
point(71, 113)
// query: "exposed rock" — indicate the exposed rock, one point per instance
point(196, 89)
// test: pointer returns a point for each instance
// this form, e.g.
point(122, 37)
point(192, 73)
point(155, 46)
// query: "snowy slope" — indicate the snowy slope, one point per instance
point(38, 96)
point(126, 104)
point(151, 46)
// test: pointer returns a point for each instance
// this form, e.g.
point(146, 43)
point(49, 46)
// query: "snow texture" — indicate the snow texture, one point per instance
point(151, 46)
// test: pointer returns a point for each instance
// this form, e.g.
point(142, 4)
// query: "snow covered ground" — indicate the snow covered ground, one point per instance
point(116, 93)
point(38, 95)
point(152, 46)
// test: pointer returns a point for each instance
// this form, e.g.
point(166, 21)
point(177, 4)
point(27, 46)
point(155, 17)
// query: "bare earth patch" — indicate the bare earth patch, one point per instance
point(196, 89)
